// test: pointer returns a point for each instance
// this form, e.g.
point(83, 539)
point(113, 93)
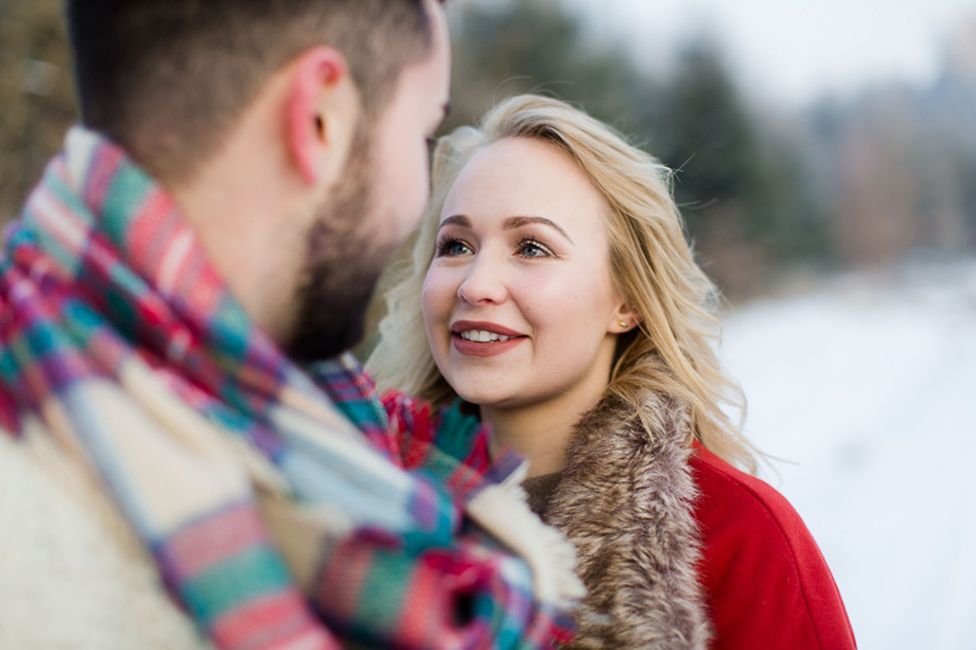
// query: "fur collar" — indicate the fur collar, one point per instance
point(626, 501)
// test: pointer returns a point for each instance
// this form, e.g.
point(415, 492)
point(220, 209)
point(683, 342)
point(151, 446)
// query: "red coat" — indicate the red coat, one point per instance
point(679, 550)
point(766, 582)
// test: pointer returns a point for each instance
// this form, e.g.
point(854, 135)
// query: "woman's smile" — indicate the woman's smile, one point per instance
point(483, 338)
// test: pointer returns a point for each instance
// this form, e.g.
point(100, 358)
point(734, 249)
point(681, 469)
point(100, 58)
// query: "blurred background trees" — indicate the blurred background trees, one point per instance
point(767, 192)
point(36, 95)
point(764, 191)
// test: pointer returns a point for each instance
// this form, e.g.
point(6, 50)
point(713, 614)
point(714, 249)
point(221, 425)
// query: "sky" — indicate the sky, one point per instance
point(792, 51)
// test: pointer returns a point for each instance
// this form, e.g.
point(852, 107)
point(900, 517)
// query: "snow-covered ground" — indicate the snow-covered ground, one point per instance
point(867, 385)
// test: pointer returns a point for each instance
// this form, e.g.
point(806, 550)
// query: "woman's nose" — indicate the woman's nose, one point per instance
point(482, 284)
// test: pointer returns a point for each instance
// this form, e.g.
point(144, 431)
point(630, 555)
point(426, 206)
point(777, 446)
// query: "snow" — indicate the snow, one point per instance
point(866, 385)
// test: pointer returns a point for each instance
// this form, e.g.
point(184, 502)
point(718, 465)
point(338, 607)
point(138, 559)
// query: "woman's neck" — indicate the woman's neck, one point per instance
point(541, 432)
point(539, 439)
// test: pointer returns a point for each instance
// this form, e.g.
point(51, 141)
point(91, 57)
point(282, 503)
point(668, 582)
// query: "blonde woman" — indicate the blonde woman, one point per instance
point(551, 288)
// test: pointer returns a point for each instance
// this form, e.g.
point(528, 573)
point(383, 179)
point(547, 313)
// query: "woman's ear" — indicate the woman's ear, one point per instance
point(623, 320)
point(320, 114)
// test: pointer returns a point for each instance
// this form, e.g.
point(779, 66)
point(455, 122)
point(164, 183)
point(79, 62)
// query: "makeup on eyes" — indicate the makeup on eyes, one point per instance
point(527, 229)
point(450, 246)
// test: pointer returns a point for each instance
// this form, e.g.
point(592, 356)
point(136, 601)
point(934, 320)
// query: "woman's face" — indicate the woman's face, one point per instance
point(518, 302)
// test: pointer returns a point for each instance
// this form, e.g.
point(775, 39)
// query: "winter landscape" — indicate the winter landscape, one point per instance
point(864, 388)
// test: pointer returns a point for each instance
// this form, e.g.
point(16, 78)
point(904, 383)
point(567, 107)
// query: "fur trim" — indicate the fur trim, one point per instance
point(626, 502)
point(502, 510)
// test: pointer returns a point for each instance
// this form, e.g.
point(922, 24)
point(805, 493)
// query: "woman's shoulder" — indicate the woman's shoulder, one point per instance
point(764, 575)
point(729, 496)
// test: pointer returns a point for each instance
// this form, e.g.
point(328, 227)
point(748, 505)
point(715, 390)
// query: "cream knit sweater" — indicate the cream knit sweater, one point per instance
point(72, 574)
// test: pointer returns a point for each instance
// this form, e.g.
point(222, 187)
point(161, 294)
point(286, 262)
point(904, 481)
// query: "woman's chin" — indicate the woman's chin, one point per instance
point(490, 399)
point(478, 398)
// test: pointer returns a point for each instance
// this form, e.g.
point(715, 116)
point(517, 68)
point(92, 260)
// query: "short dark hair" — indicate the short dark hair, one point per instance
point(167, 79)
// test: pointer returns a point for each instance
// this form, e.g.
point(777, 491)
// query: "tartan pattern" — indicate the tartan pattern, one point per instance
point(110, 311)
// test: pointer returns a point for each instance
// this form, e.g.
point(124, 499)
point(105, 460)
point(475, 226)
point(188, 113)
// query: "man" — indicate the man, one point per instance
point(170, 300)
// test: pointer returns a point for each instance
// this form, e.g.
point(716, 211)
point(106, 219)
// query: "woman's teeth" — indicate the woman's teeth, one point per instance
point(483, 336)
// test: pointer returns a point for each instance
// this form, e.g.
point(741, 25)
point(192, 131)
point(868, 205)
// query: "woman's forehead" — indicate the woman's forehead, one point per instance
point(526, 176)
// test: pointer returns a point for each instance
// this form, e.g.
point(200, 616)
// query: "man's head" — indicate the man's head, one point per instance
point(292, 133)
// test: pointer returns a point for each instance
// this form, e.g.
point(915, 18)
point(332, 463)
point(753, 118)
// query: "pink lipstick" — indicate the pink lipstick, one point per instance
point(483, 338)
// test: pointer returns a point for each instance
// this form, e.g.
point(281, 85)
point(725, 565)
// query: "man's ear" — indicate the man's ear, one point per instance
point(320, 113)
point(623, 319)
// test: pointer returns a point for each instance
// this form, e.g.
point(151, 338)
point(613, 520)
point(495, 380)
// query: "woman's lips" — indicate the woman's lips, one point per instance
point(459, 326)
point(478, 349)
point(483, 348)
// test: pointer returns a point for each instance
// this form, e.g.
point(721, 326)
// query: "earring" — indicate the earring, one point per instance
point(622, 323)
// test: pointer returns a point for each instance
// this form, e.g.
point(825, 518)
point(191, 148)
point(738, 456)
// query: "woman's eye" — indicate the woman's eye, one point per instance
point(452, 248)
point(530, 248)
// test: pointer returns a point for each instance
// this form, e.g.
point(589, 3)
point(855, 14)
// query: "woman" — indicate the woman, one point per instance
point(552, 288)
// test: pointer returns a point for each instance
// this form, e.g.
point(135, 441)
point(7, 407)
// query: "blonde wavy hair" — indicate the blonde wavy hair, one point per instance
point(652, 264)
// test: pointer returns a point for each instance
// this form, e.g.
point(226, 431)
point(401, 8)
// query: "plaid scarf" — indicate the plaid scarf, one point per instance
point(284, 507)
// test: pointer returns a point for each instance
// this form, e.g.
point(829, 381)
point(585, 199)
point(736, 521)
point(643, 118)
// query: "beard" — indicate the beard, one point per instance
point(345, 255)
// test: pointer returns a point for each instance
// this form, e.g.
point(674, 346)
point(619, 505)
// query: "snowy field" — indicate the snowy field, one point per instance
point(866, 387)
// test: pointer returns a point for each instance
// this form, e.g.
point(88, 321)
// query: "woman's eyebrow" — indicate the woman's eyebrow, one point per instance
point(517, 222)
point(509, 224)
point(455, 220)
